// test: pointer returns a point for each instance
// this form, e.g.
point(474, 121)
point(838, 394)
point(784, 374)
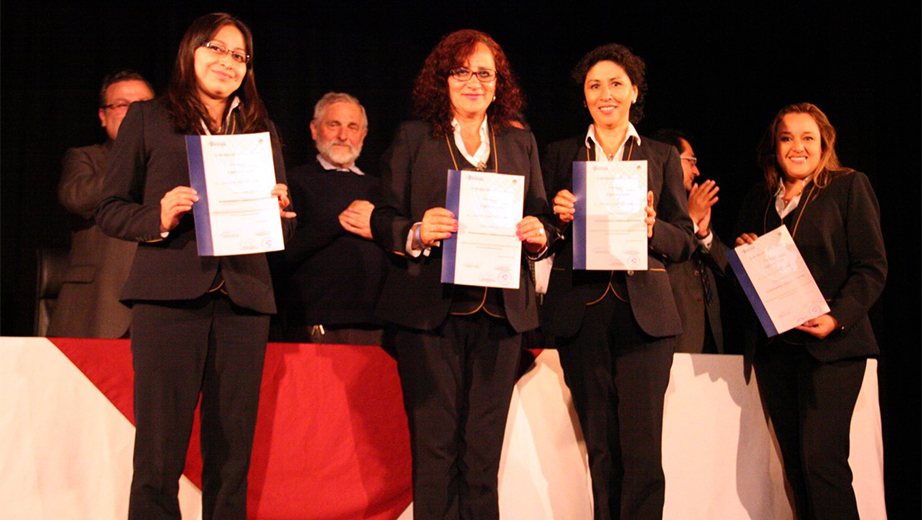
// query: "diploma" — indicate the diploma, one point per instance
point(235, 213)
point(485, 251)
point(609, 231)
point(777, 282)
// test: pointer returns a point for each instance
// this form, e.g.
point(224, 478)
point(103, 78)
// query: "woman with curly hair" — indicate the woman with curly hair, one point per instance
point(457, 346)
point(809, 377)
point(615, 330)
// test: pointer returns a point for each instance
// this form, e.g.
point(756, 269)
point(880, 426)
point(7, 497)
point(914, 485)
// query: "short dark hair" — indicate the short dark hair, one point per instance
point(672, 137)
point(627, 60)
point(117, 77)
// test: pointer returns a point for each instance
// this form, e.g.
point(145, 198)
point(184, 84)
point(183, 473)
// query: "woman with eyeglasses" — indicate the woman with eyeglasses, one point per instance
point(457, 346)
point(809, 377)
point(615, 329)
point(199, 325)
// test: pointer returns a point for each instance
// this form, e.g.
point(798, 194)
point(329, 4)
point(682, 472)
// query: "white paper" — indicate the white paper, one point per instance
point(487, 252)
point(242, 216)
point(610, 223)
point(782, 280)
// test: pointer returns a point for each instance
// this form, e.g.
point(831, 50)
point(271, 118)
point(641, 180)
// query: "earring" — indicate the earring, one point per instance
point(633, 101)
point(494, 98)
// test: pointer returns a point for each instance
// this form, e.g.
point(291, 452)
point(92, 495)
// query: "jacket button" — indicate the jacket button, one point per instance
point(630, 273)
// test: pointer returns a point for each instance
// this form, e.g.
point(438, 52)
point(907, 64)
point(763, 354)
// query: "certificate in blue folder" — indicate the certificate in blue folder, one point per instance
point(609, 231)
point(777, 282)
point(485, 251)
point(236, 213)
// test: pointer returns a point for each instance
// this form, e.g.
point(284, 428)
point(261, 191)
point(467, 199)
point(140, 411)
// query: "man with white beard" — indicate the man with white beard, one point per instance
point(333, 271)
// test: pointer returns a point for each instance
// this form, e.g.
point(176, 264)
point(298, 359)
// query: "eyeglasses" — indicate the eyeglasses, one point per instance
point(692, 160)
point(121, 105)
point(482, 75)
point(220, 50)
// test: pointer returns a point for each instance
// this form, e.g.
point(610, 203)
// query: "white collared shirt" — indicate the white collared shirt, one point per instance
point(482, 155)
point(785, 210)
point(327, 165)
point(592, 141)
point(234, 104)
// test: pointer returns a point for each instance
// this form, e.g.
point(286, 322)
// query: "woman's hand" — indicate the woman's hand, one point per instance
point(821, 326)
point(651, 214)
point(564, 206)
point(438, 224)
point(531, 231)
point(281, 191)
point(174, 205)
point(746, 238)
point(700, 199)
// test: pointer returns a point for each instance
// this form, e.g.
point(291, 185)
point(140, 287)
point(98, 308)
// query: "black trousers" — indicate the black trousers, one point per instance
point(618, 375)
point(182, 350)
point(811, 405)
point(457, 383)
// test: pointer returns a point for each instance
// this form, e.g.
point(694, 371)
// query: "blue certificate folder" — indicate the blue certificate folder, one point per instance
point(450, 245)
point(200, 208)
point(749, 289)
point(579, 220)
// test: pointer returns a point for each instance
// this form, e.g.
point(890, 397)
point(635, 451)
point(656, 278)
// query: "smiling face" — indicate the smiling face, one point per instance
point(689, 164)
point(119, 96)
point(339, 134)
point(470, 99)
point(219, 75)
point(609, 94)
point(798, 148)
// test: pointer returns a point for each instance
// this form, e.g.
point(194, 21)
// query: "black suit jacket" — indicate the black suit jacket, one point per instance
point(687, 279)
point(98, 265)
point(413, 180)
point(649, 292)
point(837, 231)
point(149, 160)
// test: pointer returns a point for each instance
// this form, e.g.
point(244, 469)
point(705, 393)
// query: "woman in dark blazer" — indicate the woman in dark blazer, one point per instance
point(615, 329)
point(809, 377)
point(457, 346)
point(199, 324)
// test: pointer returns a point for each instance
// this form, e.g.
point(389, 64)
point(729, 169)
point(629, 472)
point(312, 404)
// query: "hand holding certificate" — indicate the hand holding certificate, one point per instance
point(485, 251)
point(238, 207)
point(777, 282)
point(609, 228)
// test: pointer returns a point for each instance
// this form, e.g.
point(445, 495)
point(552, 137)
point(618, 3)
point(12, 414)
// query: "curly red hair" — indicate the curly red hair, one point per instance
point(430, 90)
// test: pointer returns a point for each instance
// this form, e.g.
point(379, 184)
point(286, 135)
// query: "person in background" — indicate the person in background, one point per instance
point(615, 330)
point(694, 283)
point(333, 272)
point(199, 324)
point(97, 267)
point(458, 346)
point(810, 376)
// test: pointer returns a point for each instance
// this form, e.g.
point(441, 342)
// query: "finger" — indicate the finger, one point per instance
point(650, 199)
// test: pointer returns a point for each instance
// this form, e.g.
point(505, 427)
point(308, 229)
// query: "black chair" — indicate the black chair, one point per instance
point(51, 265)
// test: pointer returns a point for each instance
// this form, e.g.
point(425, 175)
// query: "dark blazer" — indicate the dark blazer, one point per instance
point(649, 292)
point(149, 160)
point(88, 305)
point(413, 180)
point(687, 279)
point(837, 231)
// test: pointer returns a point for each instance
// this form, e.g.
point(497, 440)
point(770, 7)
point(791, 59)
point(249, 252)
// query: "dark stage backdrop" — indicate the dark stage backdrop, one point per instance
point(720, 71)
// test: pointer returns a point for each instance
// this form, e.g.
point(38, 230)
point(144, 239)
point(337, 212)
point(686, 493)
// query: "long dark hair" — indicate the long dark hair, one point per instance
point(430, 91)
point(186, 110)
point(829, 164)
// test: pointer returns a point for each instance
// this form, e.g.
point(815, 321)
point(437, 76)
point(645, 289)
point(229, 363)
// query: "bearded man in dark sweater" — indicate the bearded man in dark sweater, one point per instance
point(333, 271)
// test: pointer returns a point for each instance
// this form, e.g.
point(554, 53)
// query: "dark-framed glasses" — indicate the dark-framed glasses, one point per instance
point(220, 50)
point(482, 75)
point(118, 105)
